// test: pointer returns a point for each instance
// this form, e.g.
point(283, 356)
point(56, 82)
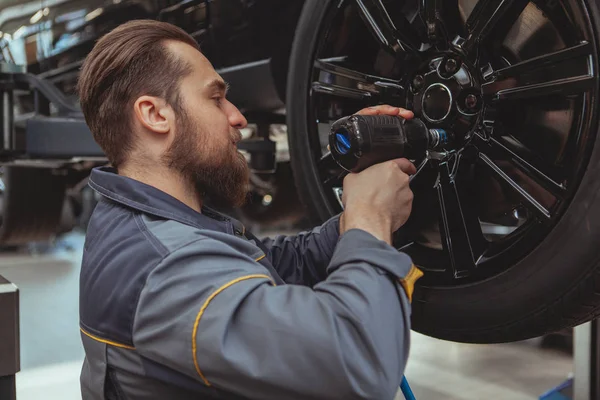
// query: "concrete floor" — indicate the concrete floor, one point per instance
point(51, 351)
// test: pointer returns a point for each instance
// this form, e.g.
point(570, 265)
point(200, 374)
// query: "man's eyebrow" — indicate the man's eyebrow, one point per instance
point(218, 84)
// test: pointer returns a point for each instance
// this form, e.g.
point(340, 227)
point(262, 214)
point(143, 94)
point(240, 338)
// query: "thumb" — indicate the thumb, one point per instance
point(406, 166)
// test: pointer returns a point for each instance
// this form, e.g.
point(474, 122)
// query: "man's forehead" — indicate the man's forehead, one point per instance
point(197, 60)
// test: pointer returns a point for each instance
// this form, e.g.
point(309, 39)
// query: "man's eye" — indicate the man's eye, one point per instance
point(218, 100)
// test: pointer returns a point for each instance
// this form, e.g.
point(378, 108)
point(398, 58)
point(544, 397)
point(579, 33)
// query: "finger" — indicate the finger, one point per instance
point(380, 109)
point(369, 111)
point(386, 109)
point(406, 166)
point(406, 114)
point(390, 110)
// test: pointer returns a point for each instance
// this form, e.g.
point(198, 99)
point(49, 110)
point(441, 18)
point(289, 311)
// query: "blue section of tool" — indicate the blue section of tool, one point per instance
point(561, 392)
point(443, 136)
point(343, 143)
point(406, 390)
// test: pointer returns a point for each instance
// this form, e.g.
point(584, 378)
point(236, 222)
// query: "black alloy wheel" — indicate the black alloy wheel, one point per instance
point(503, 218)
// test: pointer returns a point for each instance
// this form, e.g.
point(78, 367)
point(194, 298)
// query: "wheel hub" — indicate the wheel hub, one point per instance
point(446, 93)
point(437, 103)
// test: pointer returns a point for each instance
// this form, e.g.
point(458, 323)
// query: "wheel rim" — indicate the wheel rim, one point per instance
point(513, 80)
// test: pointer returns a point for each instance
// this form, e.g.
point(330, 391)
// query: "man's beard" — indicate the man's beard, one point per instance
point(219, 177)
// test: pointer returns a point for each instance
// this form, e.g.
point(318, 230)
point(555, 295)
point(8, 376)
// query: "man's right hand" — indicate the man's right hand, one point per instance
point(378, 200)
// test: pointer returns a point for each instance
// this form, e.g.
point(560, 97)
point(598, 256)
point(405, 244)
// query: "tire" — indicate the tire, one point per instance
point(547, 281)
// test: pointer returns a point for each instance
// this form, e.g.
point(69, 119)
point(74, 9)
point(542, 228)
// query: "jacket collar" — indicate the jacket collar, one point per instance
point(150, 200)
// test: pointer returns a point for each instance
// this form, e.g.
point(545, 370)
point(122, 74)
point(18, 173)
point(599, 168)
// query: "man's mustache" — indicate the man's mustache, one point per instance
point(236, 135)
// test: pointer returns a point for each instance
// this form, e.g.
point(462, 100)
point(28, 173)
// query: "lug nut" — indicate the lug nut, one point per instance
point(451, 66)
point(471, 101)
point(418, 82)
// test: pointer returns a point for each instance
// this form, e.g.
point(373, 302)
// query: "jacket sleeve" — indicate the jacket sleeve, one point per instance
point(302, 259)
point(214, 314)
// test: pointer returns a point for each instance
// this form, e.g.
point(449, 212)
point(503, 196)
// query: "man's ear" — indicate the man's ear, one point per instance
point(153, 114)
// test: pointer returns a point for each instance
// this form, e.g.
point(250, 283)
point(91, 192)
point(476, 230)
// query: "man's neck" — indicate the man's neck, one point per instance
point(167, 181)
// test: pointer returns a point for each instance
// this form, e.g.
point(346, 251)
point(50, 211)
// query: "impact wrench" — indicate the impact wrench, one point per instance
point(360, 141)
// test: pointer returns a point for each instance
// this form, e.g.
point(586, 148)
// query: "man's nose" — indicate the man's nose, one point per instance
point(236, 119)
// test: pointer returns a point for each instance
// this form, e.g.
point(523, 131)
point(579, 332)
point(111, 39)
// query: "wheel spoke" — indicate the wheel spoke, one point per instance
point(441, 17)
point(452, 20)
point(328, 66)
point(565, 86)
point(394, 39)
point(562, 72)
point(330, 172)
point(327, 163)
point(460, 229)
point(344, 82)
point(431, 14)
point(341, 91)
point(547, 60)
point(489, 14)
point(530, 202)
point(334, 181)
point(505, 153)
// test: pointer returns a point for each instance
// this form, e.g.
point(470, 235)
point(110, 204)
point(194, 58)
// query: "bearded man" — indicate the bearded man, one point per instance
point(178, 301)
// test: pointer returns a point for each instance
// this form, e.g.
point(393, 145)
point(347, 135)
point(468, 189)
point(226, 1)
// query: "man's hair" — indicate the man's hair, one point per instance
point(126, 63)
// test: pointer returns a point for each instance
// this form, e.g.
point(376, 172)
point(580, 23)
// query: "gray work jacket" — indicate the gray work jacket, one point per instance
point(176, 304)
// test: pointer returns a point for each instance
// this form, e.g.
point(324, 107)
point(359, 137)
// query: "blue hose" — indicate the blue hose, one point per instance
point(406, 390)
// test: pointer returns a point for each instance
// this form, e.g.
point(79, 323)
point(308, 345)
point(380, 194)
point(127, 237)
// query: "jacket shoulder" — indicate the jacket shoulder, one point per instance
point(177, 237)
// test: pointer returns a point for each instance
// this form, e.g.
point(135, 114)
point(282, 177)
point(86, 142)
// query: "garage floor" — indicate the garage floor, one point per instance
point(51, 352)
